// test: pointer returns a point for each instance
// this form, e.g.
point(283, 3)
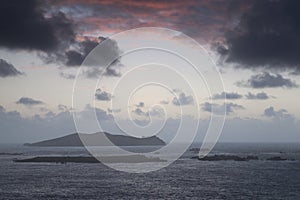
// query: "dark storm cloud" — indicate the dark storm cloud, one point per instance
point(183, 99)
point(29, 101)
point(40, 26)
point(102, 95)
point(76, 57)
point(25, 26)
point(103, 61)
point(267, 80)
point(227, 95)
point(218, 109)
point(266, 36)
point(73, 55)
point(258, 96)
point(7, 69)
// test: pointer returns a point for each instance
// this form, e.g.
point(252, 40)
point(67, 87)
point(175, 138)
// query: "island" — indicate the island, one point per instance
point(98, 139)
point(276, 158)
point(226, 157)
point(85, 159)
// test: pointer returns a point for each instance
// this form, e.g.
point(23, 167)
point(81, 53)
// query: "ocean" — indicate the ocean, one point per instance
point(184, 179)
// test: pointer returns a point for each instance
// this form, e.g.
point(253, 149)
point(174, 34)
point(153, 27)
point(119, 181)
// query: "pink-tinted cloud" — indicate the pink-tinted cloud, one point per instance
point(203, 20)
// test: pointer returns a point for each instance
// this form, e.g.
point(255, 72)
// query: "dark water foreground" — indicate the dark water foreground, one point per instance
point(186, 178)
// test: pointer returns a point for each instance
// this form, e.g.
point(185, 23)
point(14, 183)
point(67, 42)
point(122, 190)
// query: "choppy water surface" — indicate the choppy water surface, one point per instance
point(186, 178)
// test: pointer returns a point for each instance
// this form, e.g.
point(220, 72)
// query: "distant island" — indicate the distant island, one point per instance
point(237, 158)
point(227, 157)
point(98, 139)
point(81, 159)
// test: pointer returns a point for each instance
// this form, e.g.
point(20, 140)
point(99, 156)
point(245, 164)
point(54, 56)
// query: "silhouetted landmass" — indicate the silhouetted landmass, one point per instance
point(276, 158)
point(99, 139)
point(196, 150)
point(238, 158)
point(82, 159)
point(226, 157)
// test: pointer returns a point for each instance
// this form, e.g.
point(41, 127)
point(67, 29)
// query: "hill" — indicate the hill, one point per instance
point(98, 139)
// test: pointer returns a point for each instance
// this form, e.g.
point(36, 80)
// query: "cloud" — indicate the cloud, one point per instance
point(113, 70)
point(96, 72)
point(67, 76)
point(29, 101)
point(154, 112)
point(267, 80)
point(7, 69)
point(219, 109)
point(227, 95)
point(76, 57)
point(267, 36)
point(113, 110)
point(102, 95)
point(101, 114)
point(258, 96)
point(62, 107)
point(139, 112)
point(101, 61)
point(199, 19)
point(183, 99)
point(24, 25)
point(32, 25)
point(74, 53)
point(44, 110)
point(280, 114)
point(18, 129)
point(164, 102)
point(104, 60)
point(140, 105)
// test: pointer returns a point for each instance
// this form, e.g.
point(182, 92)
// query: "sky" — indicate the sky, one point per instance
point(254, 45)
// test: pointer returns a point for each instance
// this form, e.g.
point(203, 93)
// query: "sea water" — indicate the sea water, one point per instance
point(185, 178)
